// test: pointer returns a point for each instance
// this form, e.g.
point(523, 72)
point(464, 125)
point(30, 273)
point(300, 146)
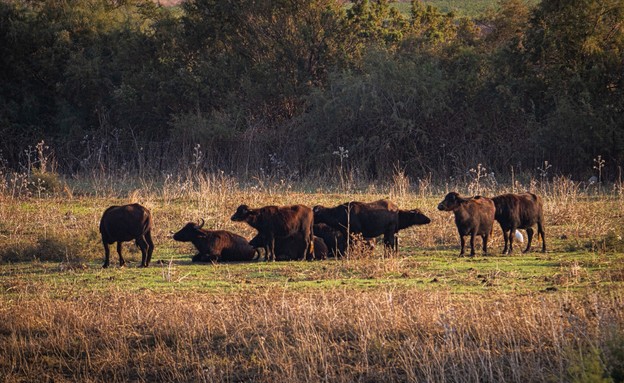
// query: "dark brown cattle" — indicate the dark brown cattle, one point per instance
point(126, 223)
point(334, 239)
point(520, 211)
point(473, 216)
point(215, 245)
point(409, 218)
point(369, 219)
point(274, 222)
point(290, 248)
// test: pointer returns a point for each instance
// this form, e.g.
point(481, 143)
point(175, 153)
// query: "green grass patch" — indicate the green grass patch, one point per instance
point(469, 8)
point(480, 275)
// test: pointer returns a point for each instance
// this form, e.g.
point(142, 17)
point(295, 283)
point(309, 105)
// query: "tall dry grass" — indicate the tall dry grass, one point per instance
point(274, 334)
point(338, 335)
point(64, 225)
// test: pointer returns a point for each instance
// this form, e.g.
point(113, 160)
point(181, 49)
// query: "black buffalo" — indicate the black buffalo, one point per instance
point(126, 223)
point(520, 211)
point(290, 248)
point(370, 219)
point(334, 239)
point(215, 245)
point(275, 222)
point(473, 216)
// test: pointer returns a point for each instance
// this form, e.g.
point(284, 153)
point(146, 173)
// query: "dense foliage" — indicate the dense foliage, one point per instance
point(291, 86)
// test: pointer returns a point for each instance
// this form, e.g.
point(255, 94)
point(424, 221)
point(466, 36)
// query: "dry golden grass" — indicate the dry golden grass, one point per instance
point(421, 315)
point(331, 335)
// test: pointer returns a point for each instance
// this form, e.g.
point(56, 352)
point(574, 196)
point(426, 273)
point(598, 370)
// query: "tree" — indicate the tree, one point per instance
point(574, 55)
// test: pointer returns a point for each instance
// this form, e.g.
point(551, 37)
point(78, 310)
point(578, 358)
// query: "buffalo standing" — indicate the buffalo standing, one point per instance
point(520, 211)
point(126, 223)
point(278, 222)
point(369, 219)
point(473, 216)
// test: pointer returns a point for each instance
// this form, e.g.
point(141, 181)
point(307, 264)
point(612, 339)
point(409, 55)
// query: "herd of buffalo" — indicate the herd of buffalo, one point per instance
point(299, 232)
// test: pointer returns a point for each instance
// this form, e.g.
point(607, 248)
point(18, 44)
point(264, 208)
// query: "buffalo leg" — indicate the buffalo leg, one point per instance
point(391, 242)
point(462, 242)
point(512, 235)
point(485, 238)
point(388, 241)
point(122, 263)
point(529, 231)
point(106, 255)
point(150, 247)
point(271, 250)
point(506, 239)
point(472, 240)
point(142, 244)
point(540, 232)
point(309, 250)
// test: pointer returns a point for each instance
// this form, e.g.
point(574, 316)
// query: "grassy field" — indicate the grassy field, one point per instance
point(469, 8)
point(421, 315)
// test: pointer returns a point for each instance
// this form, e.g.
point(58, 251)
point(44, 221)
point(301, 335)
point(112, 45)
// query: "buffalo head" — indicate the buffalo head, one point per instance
point(242, 213)
point(450, 202)
point(190, 232)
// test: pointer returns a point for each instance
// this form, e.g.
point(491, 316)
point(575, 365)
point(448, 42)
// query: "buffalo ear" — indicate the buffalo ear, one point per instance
point(316, 209)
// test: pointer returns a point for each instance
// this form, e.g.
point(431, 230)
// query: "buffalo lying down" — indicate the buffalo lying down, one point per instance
point(126, 223)
point(520, 211)
point(334, 239)
point(215, 245)
point(290, 248)
point(473, 216)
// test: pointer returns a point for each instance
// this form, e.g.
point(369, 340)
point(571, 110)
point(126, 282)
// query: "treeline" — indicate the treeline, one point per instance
point(305, 87)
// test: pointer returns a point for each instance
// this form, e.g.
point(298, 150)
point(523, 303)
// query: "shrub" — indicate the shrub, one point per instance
point(586, 366)
point(51, 248)
point(45, 183)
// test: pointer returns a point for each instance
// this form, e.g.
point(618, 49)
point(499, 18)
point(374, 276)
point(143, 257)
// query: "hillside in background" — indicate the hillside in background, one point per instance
point(469, 8)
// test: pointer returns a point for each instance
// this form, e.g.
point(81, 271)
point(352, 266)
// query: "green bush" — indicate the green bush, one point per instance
point(615, 358)
point(586, 366)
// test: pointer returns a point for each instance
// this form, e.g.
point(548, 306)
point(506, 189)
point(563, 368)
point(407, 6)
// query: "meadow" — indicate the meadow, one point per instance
point(471, 8)
point(423, 314)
